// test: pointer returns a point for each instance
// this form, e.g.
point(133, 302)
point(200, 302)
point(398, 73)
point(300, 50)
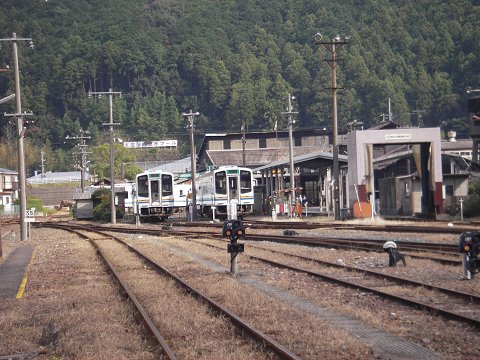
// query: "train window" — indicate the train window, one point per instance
point(245, 181)
point(233, 183)
point(167, 187)
point(220, 182)
point(142, 186)
point(154, 189)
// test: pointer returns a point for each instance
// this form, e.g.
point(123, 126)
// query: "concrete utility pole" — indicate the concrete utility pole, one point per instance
point(111, 125)
point(191, 118)
point(243, 145)
point(83, 153)
point(291, 120)
point(418, 114)
point(332, 46)
point(42, 162)
point(21, 132)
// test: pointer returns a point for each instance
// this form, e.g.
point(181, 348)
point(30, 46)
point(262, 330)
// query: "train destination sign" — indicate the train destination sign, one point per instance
point(150, 144)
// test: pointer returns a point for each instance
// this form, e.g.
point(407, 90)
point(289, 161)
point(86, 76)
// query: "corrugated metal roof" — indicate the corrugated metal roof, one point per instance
point(304, 157)
point(7, 171)
point(254, 157)
point(175, 167)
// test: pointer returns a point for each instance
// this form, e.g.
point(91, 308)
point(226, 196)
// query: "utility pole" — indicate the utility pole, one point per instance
point(418, 113)
point(111, 125)
point(243, 145)
point(332, 46)
point(191, 118)
point(355, 125)
point(20, 135)
point(291, 120)
point(42, 162)
point(389, 115)
point(83, 153)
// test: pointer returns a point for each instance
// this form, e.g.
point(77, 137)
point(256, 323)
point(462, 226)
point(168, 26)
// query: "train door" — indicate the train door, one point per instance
point(155, 191)
point(233, 192)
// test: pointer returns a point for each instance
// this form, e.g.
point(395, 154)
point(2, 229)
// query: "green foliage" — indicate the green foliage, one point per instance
point(234, 62)
point(123, 158)
point(472, 206)
point(102, 206)
point(32, 202)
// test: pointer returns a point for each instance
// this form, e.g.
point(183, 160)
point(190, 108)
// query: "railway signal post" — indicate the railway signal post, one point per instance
point(234, 229)
point(469, 247)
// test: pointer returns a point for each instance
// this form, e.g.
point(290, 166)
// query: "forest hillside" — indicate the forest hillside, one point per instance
point(235, 62)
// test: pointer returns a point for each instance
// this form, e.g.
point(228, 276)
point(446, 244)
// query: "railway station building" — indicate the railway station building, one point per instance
point(396, 171)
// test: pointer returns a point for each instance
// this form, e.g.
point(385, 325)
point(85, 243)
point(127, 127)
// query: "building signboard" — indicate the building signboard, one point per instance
point(398, 137)
point(150, 144)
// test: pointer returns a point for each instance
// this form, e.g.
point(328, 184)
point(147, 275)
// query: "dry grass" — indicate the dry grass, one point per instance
point(305, 334)
point(70, 308)
point(186, 323)
point(391, 317)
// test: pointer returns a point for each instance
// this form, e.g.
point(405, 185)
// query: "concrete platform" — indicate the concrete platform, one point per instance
point(13, 272)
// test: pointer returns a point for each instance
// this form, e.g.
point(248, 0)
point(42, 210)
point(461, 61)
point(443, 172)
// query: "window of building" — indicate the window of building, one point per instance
point(449, 190)
point(226, 144)
point(262, 143)
point(298, 141)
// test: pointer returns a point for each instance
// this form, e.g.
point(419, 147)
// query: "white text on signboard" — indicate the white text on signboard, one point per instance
point(396, 137)
point(150, 144)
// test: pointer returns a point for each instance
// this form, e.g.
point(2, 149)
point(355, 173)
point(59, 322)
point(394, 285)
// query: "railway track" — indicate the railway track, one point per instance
point(441, 228)
point(449, 303)
point(262, 339)
point(439, 252)
point(452, 304)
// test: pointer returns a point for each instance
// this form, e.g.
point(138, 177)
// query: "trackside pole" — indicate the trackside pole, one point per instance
point(232, 210)
point(467, 275)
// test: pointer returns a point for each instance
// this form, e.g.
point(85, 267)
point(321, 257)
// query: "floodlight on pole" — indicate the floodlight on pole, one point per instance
point(111, 125)
point(191, 124)
point(332, 46)
point(20, 135)
point(291, 120)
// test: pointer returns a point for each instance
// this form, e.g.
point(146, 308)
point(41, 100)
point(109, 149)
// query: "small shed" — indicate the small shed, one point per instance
point(83, 205)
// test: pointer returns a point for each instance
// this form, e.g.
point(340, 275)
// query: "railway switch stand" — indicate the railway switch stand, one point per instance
point(233, 229)
point(394, 255)
point(469, 247)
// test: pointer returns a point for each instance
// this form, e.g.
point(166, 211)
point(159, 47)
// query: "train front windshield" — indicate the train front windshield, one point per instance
point(142, 186)
point(245, 181)
point(167, 185)
point(221, 182)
